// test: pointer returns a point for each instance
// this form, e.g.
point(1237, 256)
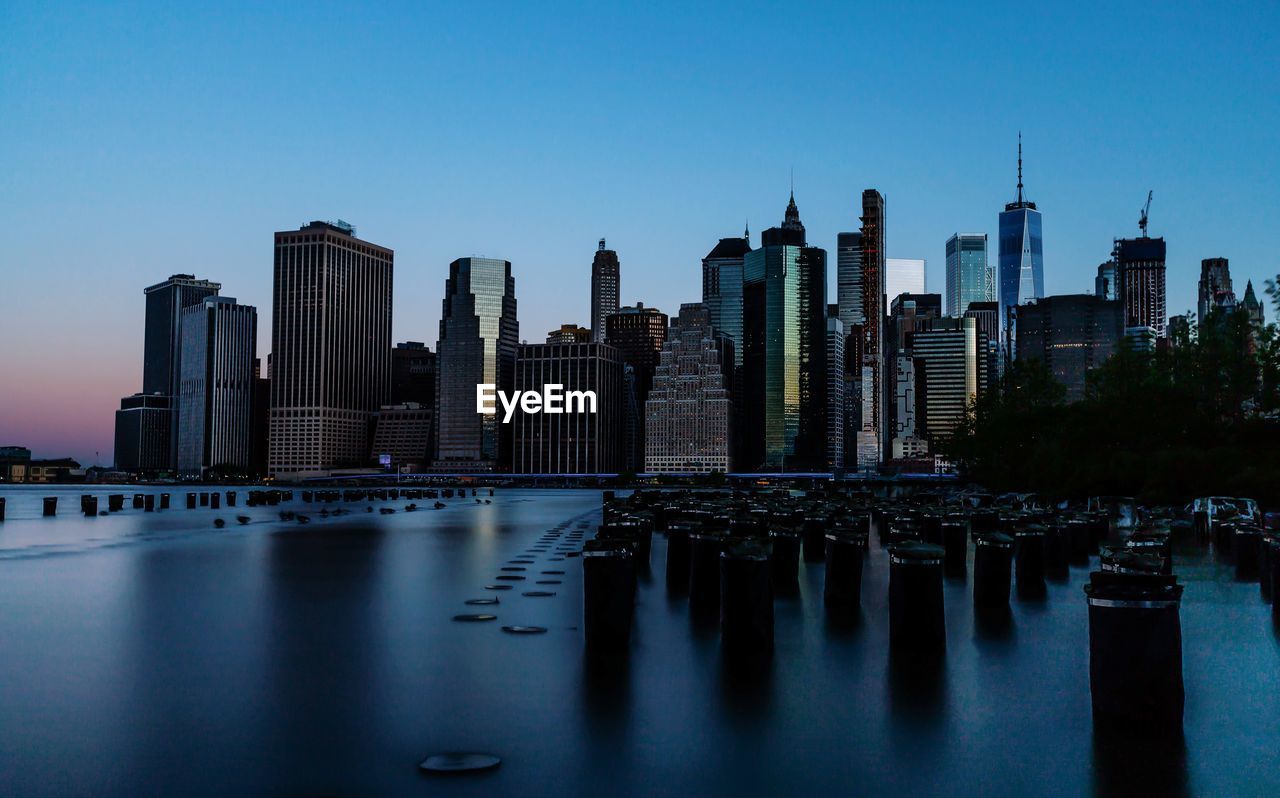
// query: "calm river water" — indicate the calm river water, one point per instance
point(155, 654)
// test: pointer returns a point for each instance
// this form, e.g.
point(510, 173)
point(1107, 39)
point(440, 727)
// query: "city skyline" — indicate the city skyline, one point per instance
point(131, 202)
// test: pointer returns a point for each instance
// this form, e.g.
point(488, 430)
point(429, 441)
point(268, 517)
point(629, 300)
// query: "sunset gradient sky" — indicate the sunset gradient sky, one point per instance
point(143, 139)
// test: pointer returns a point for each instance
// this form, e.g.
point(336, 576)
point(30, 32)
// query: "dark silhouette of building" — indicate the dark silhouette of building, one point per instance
point(574, 441)
point(638, 334)
point(330, 348)
point(605, 284)
point(144, 424)
point(413, 374)
point(402, 437)
point(1140, 278)
point(873, 423)
point(1071, 334)
point(162, 344)
point(1253, 307)
point(479, 334)
point(261, 421)
point(1214, 288)
point(785, 362)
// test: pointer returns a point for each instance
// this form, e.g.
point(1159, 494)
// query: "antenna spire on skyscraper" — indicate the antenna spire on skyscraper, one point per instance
point(1019, 166)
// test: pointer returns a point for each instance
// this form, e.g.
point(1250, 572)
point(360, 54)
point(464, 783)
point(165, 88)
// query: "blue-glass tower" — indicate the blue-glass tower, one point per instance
point(1021, 259)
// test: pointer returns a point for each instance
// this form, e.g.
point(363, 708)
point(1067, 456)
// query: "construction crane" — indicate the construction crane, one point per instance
point(1142, 220)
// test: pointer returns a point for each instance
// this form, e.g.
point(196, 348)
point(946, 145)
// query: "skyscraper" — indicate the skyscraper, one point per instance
point(969, 277)
point(330, 348)
point(413, 375)
point(162, 345)
point(143, 430)
point(872, 431)
point(902, 276)
point(162, 355)
point(784, 332)
point(722, 299)
point(1214, 289)
point(987, 315)
point(950, 374)
point(849, 298)
point(1104, 285)
point(1021, 258)
point(569, 443)
point(837, 401)
point(907, 314)
point(402, 436)
point(1070, 334)
point(1140, 277)
point(1253, 307)
point(215, 395)
point(479, 334)
point(722, 288)
point(638, 333)
point(689, 414)
point(605, 279)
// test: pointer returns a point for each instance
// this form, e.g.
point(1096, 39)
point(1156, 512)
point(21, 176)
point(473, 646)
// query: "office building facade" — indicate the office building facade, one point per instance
point(144, 426)
point(903, 276)
point(638, 334)
point(785, 362)
point(402, 437)
point(569, 442)
point(479, 334)
point(1140, 274)
point(413, 374)
point(1071, 335)
point(330, 348)
point(948, 355)
point(969, 275)
point(605, 285)
point(689, 414)
point(907, 314)
point(216, 389)
point(569, 334)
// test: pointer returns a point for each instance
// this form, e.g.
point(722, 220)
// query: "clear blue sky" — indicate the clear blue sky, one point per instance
point(141, 139)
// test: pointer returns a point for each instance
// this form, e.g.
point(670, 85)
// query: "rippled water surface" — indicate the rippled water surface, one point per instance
point(155, 654)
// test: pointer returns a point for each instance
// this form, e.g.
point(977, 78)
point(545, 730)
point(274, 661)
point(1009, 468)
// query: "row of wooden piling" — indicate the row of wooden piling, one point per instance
point(732, 553)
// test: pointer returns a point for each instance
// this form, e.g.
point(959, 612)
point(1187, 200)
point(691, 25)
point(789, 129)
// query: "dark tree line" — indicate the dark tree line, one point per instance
point(1201, 417)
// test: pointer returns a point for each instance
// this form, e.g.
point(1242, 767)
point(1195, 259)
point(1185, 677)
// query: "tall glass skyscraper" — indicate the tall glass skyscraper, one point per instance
point(784, 331)
point(849, 280)
point(215, 399)
point(478, 338)
point(1021, 260)
point(722, 289)
point(969, 277)
point(902, 276)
